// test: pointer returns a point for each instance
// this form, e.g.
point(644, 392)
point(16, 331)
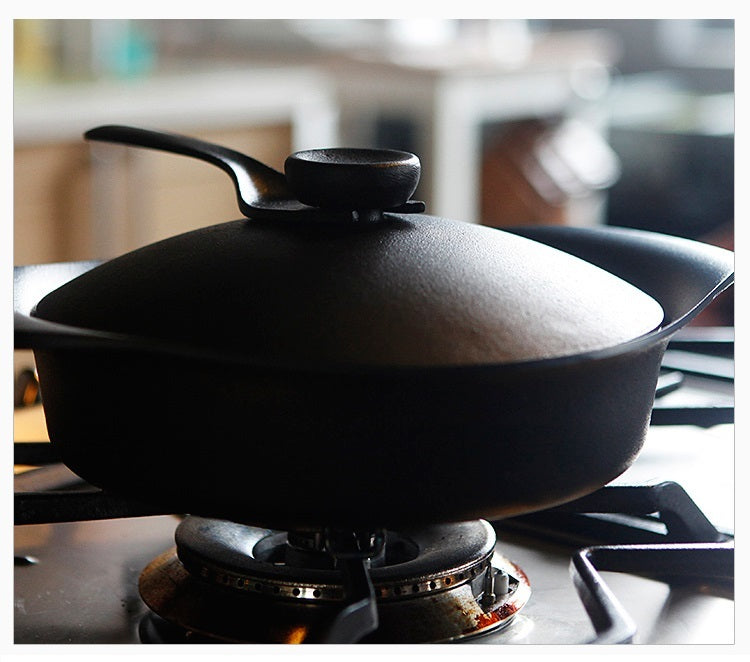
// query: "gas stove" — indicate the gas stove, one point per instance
point(647, 559)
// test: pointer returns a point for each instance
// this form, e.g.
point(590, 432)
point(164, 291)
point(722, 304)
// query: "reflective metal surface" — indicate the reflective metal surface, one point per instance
point(224, 614)
point(255, 560)
point(84, 587)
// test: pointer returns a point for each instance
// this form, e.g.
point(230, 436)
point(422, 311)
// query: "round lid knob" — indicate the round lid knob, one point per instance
point(352, 179)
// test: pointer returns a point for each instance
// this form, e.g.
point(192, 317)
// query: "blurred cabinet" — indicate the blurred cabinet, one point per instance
point(79, 201)
point(51, 187)
point(450, 97)
point(140, 196)
point(75, 200)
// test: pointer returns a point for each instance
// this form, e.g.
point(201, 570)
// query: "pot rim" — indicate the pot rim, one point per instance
point(66, 337)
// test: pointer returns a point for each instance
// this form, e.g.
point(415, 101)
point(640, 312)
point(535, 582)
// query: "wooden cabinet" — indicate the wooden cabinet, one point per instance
point(51, 189)
point(78, 200)
point(90, 201)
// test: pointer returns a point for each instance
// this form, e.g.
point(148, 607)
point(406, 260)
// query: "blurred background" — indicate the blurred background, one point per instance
point(624, 122)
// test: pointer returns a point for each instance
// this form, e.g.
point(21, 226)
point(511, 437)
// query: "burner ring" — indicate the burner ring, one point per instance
point(243, 558)
point(192, 610)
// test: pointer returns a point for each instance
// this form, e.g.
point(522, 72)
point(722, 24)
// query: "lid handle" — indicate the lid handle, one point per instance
point(256, 185)
point(329, 184)
point(353, 179)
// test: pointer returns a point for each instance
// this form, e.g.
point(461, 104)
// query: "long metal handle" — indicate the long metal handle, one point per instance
point(256, 184)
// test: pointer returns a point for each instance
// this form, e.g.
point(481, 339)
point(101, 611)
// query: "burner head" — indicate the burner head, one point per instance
point(237, 583)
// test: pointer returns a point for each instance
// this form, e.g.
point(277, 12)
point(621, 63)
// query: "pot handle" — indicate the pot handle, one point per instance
point(329, 184)
point(30, 284)
point(683, 275)
point(258, 187)
point(36, 333)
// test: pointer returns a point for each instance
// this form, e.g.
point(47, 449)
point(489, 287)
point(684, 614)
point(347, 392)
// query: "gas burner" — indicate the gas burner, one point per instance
point(228, 582)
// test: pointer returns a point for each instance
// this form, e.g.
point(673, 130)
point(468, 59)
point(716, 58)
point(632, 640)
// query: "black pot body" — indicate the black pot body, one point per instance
point(384, 448)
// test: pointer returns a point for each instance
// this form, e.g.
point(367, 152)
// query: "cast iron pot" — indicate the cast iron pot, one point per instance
point(161, 382)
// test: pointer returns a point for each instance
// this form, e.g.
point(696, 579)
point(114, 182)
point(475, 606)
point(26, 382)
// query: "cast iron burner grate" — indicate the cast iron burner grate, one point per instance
point(653, 531)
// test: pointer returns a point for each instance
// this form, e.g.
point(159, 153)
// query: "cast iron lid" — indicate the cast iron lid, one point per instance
point(342, 272)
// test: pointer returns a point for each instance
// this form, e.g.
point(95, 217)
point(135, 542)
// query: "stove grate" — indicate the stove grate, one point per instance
point(617, 525)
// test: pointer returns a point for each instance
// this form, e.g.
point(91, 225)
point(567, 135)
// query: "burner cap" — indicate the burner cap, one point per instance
point(239, 583)
point(251, 559)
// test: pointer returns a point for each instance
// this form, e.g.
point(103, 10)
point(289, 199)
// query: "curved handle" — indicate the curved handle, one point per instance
point(327, 184)
point(258, 186)
point(30, 284)
point(36, 333)
point(683, 275)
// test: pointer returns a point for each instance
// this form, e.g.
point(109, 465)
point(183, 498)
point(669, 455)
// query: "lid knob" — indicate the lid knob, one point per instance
point(352, 179)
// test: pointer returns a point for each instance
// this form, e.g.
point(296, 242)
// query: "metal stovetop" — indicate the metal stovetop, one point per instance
point(83, 586)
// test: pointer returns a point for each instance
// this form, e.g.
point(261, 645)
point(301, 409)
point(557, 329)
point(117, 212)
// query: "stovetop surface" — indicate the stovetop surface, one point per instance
point(83, 586)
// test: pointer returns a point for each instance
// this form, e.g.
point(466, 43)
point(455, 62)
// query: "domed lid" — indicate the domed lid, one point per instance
point(388, 289)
